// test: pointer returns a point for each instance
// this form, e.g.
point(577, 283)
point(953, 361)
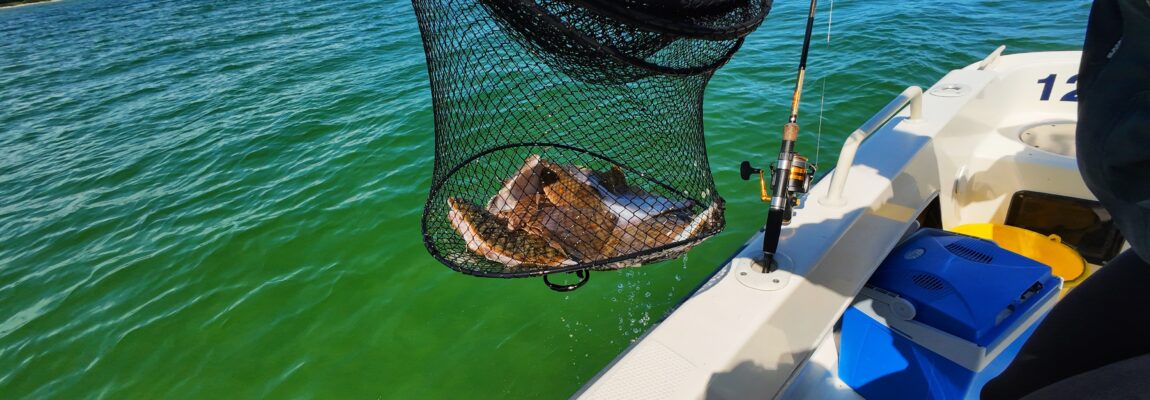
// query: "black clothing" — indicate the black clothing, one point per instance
point(1102, 321)
point(1095, 343)
point(1113, 135)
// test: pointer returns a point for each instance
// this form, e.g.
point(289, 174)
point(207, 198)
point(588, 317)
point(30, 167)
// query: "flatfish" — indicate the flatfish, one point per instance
point(550, 214)
point(487, 235)
point(576, 215)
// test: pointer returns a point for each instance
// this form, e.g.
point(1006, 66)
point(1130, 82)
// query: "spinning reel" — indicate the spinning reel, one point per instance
point(797, 178)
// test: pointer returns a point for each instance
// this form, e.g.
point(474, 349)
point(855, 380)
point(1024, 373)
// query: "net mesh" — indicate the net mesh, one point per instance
point(568, 133)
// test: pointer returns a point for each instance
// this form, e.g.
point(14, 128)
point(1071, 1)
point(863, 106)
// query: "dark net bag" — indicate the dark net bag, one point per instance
point(568, 133)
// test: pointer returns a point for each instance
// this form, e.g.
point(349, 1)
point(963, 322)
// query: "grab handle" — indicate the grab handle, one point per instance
point(913, 96)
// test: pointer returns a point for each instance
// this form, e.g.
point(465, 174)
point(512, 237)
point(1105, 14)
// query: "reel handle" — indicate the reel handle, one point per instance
point(746, 170)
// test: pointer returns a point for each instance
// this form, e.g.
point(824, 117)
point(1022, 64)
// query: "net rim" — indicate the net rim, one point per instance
point(430, 242)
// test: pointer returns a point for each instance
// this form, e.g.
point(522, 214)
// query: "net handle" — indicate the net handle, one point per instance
point(584, 276)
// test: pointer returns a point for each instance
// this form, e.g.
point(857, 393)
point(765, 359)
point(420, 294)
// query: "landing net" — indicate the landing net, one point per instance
point(568, 133)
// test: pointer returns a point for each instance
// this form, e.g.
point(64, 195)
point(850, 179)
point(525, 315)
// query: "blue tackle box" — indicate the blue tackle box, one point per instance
point(942, 315)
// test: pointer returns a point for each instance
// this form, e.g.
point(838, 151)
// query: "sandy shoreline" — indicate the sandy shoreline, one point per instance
point(26, 3)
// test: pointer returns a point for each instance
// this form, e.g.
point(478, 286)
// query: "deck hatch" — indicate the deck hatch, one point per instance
point(1083, 224)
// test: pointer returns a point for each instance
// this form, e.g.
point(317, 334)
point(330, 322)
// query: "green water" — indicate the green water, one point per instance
point(221, 199)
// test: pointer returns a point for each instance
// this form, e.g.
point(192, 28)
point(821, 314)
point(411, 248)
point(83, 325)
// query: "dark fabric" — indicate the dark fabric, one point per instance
point(1095, 343)
point(1125, 379)
point(1102, 321)
point(1114, 115)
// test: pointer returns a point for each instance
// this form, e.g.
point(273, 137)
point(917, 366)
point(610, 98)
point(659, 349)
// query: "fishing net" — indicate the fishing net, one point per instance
point(568, 133)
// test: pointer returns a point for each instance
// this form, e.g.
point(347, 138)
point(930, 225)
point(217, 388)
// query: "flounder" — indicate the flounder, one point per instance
point(628, 203)
point(578, 216)
point(657, 231)
point(487, 235)
point(551, 214)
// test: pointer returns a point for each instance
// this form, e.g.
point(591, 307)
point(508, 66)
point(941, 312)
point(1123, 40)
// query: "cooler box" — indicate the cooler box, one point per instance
point(941, 316)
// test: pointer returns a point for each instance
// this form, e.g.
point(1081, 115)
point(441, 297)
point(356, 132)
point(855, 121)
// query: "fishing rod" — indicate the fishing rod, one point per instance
point(792, 174)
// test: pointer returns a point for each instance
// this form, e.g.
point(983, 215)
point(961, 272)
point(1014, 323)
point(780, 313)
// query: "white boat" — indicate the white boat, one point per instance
point(968, 145)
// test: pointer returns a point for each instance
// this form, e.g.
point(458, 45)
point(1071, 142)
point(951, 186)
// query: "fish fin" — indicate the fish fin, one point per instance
point(525, 182)
point(697, 223)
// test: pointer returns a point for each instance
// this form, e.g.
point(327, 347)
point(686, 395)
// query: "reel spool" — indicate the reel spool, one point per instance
point(799, 178)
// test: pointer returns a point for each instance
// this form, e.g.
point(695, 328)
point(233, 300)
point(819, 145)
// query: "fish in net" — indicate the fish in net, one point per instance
point(568, 133)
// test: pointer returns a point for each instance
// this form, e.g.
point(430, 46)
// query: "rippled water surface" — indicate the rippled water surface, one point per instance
point(221, 199)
